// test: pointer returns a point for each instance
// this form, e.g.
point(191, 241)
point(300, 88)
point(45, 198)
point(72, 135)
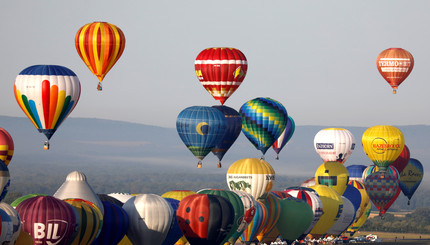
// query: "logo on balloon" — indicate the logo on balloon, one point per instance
point(51, 231)
point(380, 146)
point(325, 146)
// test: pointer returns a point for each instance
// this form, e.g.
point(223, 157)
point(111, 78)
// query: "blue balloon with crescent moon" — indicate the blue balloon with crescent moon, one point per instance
point(201, 128)
point(234, 127)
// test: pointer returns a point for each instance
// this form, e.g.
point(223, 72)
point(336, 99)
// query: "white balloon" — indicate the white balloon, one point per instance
point(334, 144)
point(16, 220)
point(122, 197)
point(345, 219)
point(76, 186)
point(150, 218)
point(6, 228)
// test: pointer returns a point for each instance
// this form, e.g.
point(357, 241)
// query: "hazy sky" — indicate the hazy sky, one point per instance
point(318, 58)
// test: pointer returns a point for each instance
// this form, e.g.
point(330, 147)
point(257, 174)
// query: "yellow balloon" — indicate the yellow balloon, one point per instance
point(252, 175)
point(360, 222)
point(332, 209)
point(383, 144)
point(333, 175)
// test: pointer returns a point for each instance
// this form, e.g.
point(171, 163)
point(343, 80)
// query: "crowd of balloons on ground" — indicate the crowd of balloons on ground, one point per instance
point(333, 203)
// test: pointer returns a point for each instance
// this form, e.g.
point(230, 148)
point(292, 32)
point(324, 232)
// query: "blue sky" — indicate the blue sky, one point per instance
point(318, 58)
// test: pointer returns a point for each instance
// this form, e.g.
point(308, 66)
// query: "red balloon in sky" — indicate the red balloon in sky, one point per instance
point(47, 219)
point(395, 65)
point(221, 71)
point(401, 162)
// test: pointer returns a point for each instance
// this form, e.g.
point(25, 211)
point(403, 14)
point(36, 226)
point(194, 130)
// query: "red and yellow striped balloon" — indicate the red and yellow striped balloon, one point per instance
point(100, 44)
point(6, 146)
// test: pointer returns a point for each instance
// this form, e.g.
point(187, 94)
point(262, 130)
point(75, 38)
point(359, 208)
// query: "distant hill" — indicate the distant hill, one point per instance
point(115, 149)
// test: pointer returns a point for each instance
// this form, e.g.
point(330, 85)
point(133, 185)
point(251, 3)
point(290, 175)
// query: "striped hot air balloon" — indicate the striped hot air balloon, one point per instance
point(90, 221)
point(100, 45)
point(47, 94)
point(6, 146)
point(263, 121)
point(284, 137)
point(221, 71)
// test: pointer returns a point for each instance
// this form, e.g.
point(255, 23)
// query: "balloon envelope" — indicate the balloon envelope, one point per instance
point(205, 218)
point(174, 233)
point(100, 45)
point(334, 144)
point(16, 220)
point(356, 172)
point(286, 135)
point(6, 146)
point(263, 121)
point(48, 220)
point(201, 128)
point(411, 177)
point(251, 175)
point(150, 218)
point(383, 144)
point(402, 160)
point(395, 65)
point(221, 71)
point(333, 175)
point(381, 188)
point(234, 127)
point(115, 225)
point(47, 94)
point(295, 217)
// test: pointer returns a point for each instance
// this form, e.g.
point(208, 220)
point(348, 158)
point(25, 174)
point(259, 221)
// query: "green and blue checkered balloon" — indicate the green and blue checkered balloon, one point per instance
point(263, 121)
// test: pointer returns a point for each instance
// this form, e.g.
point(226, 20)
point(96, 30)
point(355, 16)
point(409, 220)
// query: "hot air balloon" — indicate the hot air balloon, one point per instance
point(15, 219)
point(311, 197)
point(6, 224)
point(201, 128)
point(221, 71)
point(90, 221)
point(48, 220)
point(236, 202)
point(334, 144)
point(295, 217)
point(402, 160)
point(256, 225)
point(381, 188)
point(346, 218)
point(263, 121)
point(22, 198)
point(100, 45)
point(47, 94)
point(174, 233)
point(365, 201)
point(251, 175)
point(273, 210)
point(150, 218)
point(395, 65)
point(411, 177)
point(205, 218)
point(372, 169)
point(107, 198)
point(383, 144)
point(332, 209)
point(4, 180)
point(115, 225)
point(234, 127)
point(6, 146)
point(284, 137)
point(179, 195)
point(356, 172)
point(248, 202)
point(354, 227)
point(333, 175)
point(76, 186)
point(354, 196)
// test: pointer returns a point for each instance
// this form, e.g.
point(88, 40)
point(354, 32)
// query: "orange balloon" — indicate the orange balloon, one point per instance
point(395, 65)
